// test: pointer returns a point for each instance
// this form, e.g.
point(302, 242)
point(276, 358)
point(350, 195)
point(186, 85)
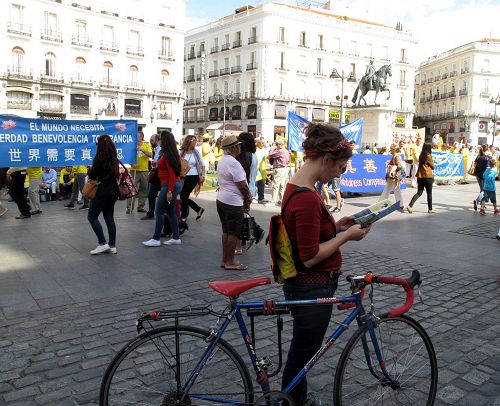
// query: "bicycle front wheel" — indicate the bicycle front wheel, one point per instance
point(153, 368)
point(409, 359)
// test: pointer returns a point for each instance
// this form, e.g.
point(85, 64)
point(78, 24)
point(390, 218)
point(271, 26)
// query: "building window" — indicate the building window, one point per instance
point(79, 104)
point(280, 112)
point(18, 98)
point(319, 66)
point(166, 45)
point(214, 114)
point(16, 14)
point(282, 60)
point(302, 39)
point(237, 88)
point(402, 78)
point(80, 68)
point(108, 33)
point(134, 39)
point(133, 75)
point(252, 111)
point(320, 41)
point(318, 115)
point(369, 50)
point(133, 107)
point(50, 64)
point(201, 114)
point(80, 30)
point(17, 59)
point(281, 35)
point(301, 111)
point(402, 57)
point(164, 74)
point(50, 23)
point(236, 112)
point(107, 74)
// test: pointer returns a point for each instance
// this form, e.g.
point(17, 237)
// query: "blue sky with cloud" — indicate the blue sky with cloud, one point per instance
point(438, 25)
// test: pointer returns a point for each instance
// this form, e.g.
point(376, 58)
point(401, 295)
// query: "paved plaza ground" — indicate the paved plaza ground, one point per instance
point(64, 314)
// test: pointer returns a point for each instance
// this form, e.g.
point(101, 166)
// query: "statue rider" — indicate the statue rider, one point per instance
point(369, 74)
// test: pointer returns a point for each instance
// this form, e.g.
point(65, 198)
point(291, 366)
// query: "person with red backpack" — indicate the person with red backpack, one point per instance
point(316, 239)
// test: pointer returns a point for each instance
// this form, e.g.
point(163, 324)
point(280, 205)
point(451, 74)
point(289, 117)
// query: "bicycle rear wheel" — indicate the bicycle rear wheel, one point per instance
point(409, 359)
point(146, 370)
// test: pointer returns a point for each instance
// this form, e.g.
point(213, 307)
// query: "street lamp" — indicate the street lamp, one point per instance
point(342, 98)
point(225, 96)
point(153, 113)
point(496, 102)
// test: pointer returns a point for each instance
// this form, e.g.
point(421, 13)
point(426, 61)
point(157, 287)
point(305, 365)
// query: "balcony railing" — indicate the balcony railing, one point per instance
point(429, 98)
point(225, 47)
point(51, 35)
point(189, 102)
point(135, 86)
point(51, 77)
point(57, 108)
point(444, 76)
point(213, 50)
point(302, 72)
point(460, 113)
point(484, 93)
point(19, 105)
point(166, 90)
point(198, 76)
point(436, 96)
point(191, 55)
point(422, 100)
point(453, 73)
point(322, 74)
point(197, 100)
point(18, 72)
point(236, 69)
point(352, 78)
point(79, 109)
point(236, 96)
point(465, 70)
point(462, 92)
point(81, 41)
point(109, 84)
point(250, 95)
point(303, 45)
point(166, 56)
point(20, 29)
point(81, 80)
point(423, 82)
point(251, 66)
point(237, 43)
point(213, 73)
point(109, 46)
point(252, 40)
point(444, 95)
point(224, 71)
point(190, 78)
point(453, 93)
point(135, 51)
point(213, 99)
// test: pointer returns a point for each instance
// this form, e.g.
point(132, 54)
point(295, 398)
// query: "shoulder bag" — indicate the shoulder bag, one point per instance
point(90, 189)
point(126, 184)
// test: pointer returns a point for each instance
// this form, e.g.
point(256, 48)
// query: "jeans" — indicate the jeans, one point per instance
point(161, 205)
point(427, 184)
point(309, 327)
point(107, 208)
point(190, 183)
point(260, 189)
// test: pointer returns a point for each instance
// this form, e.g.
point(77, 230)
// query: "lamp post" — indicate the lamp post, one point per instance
point(496, 102)
point(335, 75)
point(225, 96)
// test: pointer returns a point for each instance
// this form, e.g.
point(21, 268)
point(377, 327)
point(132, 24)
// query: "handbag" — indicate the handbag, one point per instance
point(126, 184)
point(248, 227)
point(391, 172)
point(90, 189)
point(472, 169)
point(184, 167)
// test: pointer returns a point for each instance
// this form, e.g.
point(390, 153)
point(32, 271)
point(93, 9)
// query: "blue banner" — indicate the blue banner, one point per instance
point(26, 142)
point(353, 131)
point(448, 166)
point(366, 173)
point(296, 136)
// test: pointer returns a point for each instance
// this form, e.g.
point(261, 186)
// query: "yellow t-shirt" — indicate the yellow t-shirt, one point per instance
point(219, 153)
point(66, 172)
point(79, 169)
point(142, 158)
point(205, 150)
point(35, 172)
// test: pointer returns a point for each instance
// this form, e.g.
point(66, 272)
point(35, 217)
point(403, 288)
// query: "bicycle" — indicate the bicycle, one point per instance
point(390, 358)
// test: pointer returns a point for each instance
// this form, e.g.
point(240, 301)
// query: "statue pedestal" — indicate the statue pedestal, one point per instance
point(378, 121)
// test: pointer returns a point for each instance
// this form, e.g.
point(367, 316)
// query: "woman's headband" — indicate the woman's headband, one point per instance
point(341, 147)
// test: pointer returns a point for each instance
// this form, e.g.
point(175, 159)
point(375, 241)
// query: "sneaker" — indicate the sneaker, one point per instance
point(36, 212)
point(84, 207)
point(475, 205)
point(431, 211)
point(482, 212)
point(255, 201)
point(147, 217)
point(141, 210)
point(152, 243)
point(100, 249)
point(70, 206)
point(23, 216)
point(128, 211)
point(112, 250)
point(409, 209)
point(336, 210)
point(3, 210)
point(79, 202)
point(497, 211)
point(172, 241)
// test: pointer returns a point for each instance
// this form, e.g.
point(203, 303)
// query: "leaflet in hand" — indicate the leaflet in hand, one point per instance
point(375, 212)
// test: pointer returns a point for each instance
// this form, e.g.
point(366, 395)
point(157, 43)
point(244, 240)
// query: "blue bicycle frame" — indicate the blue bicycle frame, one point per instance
point(262, 379)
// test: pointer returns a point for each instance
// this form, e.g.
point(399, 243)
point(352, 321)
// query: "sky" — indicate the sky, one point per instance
point(437, 25)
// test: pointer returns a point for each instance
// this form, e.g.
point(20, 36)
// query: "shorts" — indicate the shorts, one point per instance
point(336, 184)
point(489, 195)
point(231, 218)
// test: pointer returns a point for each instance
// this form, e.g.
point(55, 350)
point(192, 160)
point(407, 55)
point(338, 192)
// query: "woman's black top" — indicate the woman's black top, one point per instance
point(108, 186)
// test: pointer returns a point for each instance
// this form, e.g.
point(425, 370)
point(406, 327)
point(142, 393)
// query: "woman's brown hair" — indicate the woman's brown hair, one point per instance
point(322, 139)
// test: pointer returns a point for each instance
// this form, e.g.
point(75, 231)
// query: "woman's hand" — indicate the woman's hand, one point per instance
point(356, 233)
point(169, 196)
point(344, 223)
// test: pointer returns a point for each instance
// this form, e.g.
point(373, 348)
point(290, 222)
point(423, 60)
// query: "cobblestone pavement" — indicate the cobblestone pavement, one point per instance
point(60, 358)
point(64, 314)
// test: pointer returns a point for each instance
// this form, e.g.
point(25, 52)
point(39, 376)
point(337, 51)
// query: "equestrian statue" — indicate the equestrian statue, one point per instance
point(373, 80)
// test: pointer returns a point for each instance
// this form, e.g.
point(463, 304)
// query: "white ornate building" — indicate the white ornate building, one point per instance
point(275, 58)
point(457, 92)
point(93, 59)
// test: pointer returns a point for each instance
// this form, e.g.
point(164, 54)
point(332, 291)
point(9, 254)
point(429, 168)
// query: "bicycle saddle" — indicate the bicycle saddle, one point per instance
point(235, 288)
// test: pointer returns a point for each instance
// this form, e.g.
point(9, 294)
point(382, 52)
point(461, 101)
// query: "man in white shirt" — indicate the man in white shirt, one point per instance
point(233, 200)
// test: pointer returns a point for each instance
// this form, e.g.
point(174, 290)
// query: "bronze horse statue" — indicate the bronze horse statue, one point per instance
point(379, 85)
